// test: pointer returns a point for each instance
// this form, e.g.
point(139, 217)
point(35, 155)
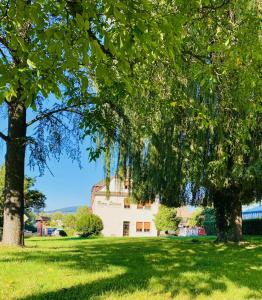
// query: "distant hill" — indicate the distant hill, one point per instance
point(65, 210)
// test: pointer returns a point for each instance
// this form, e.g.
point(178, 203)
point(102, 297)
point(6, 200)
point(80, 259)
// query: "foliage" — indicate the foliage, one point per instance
point(57, 219)
point(196, 136)
point(115, 268)
point(166, 219)
point(204, 217)
point(69, 221)
point(196, 218)
point(252, 227)
point(86, 223)
point(210, 227)
point(30, 227)
point(69, 224)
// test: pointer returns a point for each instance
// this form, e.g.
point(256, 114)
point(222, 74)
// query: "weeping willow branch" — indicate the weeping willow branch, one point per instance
point(49, 113)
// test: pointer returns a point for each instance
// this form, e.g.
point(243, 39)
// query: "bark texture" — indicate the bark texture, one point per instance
point(235, 220)
point(228, 215)
point(14, 177)
point(221, 217)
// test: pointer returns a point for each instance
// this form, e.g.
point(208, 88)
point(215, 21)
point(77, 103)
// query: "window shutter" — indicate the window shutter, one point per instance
point(139, 226)
point(146, 226)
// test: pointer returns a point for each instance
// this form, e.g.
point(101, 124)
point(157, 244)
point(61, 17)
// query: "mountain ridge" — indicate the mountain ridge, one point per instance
point(64, 210)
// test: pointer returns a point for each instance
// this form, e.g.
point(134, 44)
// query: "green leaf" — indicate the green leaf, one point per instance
point(31, 64)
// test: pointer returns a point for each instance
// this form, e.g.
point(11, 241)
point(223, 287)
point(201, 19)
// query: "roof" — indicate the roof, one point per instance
point(257, 209)
point(98, 187)
point(42, 218)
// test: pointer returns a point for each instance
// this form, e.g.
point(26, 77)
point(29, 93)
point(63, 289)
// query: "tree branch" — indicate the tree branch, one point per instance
point(4, 56)
point(93, 37)
point(3, 41)
point(47, 114)
point(196, 56)
point(212, 7)
point(4, 137)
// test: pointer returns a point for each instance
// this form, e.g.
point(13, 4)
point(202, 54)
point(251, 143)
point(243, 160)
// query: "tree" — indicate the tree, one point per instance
point(202, 216)
point(69, 223)
point(166, 219)
point(203, 145)
point(197, 218)
point(57, 219)
point(86, 223)
point(63, 50)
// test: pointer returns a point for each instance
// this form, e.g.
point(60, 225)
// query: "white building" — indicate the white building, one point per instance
point(119, 216)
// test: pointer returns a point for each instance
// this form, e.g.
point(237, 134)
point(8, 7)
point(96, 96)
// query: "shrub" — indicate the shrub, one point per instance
point(210, 227)
point(86, 223)
point(166, 219)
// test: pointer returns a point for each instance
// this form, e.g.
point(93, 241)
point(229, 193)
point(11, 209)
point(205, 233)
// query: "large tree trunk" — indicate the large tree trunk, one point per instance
point(221, 217)
point(228, 215)
point(14, 178)
point(235, 220)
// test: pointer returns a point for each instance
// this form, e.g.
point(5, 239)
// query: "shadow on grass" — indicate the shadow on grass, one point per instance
point(175, 266)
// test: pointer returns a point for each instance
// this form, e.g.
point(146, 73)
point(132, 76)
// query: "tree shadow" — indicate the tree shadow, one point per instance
point(175, 266)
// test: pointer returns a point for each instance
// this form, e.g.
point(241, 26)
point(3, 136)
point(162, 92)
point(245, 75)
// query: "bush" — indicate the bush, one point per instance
point(166, 219)
point(210, 227)
point(252, 226)
point(86, 223)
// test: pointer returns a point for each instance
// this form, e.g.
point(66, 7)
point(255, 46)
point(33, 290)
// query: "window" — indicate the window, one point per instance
point(126, 203)
point(140, 205)
point(126, 225)
point(146, 226)
point(139, 226)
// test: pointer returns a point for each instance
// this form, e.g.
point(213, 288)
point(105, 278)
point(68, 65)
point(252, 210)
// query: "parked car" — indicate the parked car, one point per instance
point(59, 232)
point(28, 233)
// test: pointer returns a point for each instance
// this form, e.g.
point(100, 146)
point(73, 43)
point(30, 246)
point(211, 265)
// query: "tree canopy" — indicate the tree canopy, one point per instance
point(196, 135)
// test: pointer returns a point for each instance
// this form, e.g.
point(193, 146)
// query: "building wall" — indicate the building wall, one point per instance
point(113, 213)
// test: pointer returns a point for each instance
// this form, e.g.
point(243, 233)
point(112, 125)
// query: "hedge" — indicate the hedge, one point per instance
point(250, 227)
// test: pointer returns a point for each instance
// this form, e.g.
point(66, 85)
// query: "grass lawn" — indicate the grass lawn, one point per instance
point(131, 268)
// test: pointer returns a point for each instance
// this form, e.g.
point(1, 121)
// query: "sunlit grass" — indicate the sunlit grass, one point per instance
point(126, 268)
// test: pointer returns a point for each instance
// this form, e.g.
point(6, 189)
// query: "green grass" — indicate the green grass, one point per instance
point(131, 268)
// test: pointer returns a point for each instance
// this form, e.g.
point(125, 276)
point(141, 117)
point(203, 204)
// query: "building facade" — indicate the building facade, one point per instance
point(121, 217)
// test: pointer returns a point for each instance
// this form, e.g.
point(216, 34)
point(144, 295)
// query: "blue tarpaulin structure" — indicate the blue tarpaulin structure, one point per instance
point(252, 213)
